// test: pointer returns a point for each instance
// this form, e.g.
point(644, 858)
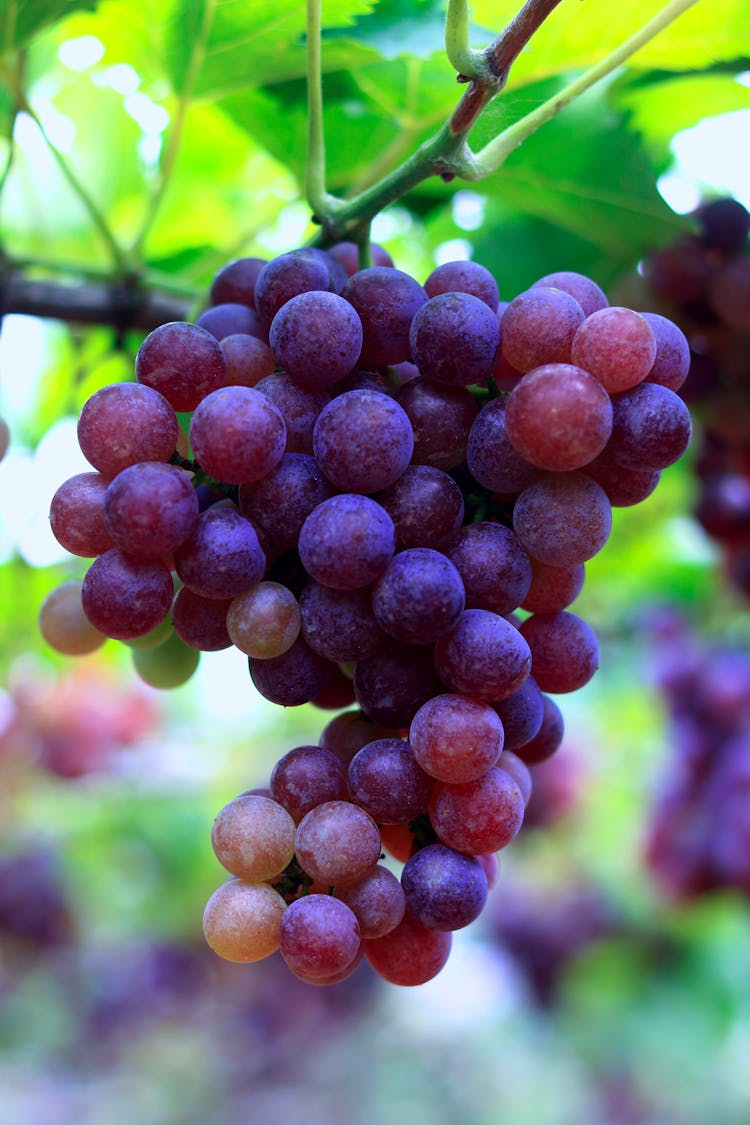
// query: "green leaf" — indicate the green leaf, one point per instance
point(398, 28)
point(20, 20)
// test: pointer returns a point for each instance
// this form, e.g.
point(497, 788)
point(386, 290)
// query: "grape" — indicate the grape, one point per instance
point(125, 597)
point(63, 623)
point(77, 515)
point(305, 777)
point(293, 678)
point(183, 362)
point(624, 487)
point(253, 838)
point(563, 519)
point(316, 337)
point(478, 816)
point(456, 739)
point(126, 423)
point(616, 346)
point(337, 692)
point(241, 920)
point(385, 300)
point(287, 276)
point(201, 622)
point(521, 714)
point(484, 657)
point(493, 461)
point(168, 665)
point(318, 937)
point(679, 272)
point(247, 359)
point(494, 567)
point(235, 282)
point(4, 437)
point(441, 418)
point(553, 587)
point(231, 320)
point(729, 293)
point(398, 840)
point(651, 428)
point(265, 621)
point(378, 902)
point(363, 441)
point(337, 843)
point(347, 542)
point(547, 739)
point(409, 955)
point(672, 362)
point(444, 890)
point(464, 277)
point(393, 683)
point(426, 506)
point(519, 771)
point(454, 338)
point(386, 780)
point(281, 502)
point(238, 435)
point(223, 557)
point(564, 650)
point(155, 637)
point(538, 328)
point(348, 733)
point(419, 598)
point(581, 288)
point(348, 254)
point(558, 417)
point(299, 408)
point(339, 624)
point(724, 224)
point(150, 509)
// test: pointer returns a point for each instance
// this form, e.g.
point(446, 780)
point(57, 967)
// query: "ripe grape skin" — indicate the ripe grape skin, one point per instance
point(63, 623)
point(238, 435)
point(494, 567)
point(558, 417)
point(363, 441)
point(248, 360)
point(125, 423)
point(348, 733)
point(337, 692)
point(293, 678)
point(511, 764)
point(493, 461)
point(306, 777)
point(264, 621)
point(538, 328)
point(378, 902)
point(337, 843)
point(484, 657)
point(200, 622)
point(441, 418)
point(724, 224)
point(235, 282)
point(347, 542)
point(393, 683)
point(553, 587)
point(464, 277)
point(409, 955)
point(241, 921)
point(454, 338)
point(616, 346)
point(478, 816)
point(232, 319)
point(318, 937)
point(183, 362)
point(316, 337)
point(651, 428)
point(672, 362)
point(150, 509)
point(547, 739)
point(299, 409)
point(624, 487)
point(125, 597)
point(563, 519)
point(564, 650)
point(581, 288)
point(281, 502)
point(285, 277)
point(456, 739)
point(385, 300)
point(253, 838)
point(419, 597)
point(444, 889)
point(77, 515)
point(223, 557)
point(339, 624)
point(521, 715)
point(426, 506)
point(729, 292)
point(347, 253)
point(167, 665)
point(386, 780)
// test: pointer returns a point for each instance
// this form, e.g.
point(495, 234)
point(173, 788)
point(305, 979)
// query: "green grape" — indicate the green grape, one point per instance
point(169, 665)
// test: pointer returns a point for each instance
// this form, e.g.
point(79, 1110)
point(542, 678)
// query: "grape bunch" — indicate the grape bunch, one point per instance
point(699, 834)
point(703, 282)
point(386, 496)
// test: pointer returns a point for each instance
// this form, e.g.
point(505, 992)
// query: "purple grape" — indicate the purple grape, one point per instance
point(238, 435)
point(339, 624)
point(287, 276)
point(495, 569)
point(363, 441)
point(564, 650)
point(201, 622)
point(563, 519)
point(77, 515)
point(651, 428)
point(347, 253)
point(581, 288)
point(125, 597)
point(426, 506)
point(441, 418)
point(293, 678)
point(385, 300)
point(316, 337)
point(378, 902)
point(347, 542)
point(553, 587)
point(464, 277)
point(223, 557)
point(281, 502)
point(672, 363)
point(493, 461)
point(318, 937)
point(547, 739)
point(538, 328)
point(150, 509)
point(419, 597)
point(409, 955)
point(299, 409)
point(521, 715)
point(454, 338)
point(234, 283)
point(124, 424)
point(232, 320)
point(386, 780)
point(248, 360)
point(393, 683)
point(444, 889)
point(183, 362)
point(624, 487)
point(306, 777)
point(484, 657)
point(724, 224)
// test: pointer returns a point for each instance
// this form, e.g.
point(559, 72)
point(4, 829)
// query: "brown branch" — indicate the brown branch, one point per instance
point(120, 306)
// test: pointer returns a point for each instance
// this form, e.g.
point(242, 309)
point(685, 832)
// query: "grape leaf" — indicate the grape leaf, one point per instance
point(20, 20)
point(397, 28)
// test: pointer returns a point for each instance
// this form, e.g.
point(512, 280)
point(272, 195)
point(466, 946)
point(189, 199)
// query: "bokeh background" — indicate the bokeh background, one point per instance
point(608, 981)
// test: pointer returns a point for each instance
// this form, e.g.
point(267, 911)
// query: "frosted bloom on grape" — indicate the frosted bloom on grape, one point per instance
point(253, 838)
point(319, 937)
point(385, 300)
point(347, 542)
point(559, 417)
point(238, 435)
point(454, 338)
point(183, 362)
point(444, 889)
point(337, 843)
point(563, 519)
point(125, 423)
point(363, 441)
point(538, 328)
point(125, 597)
point(616, 346)
point(317, 338)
